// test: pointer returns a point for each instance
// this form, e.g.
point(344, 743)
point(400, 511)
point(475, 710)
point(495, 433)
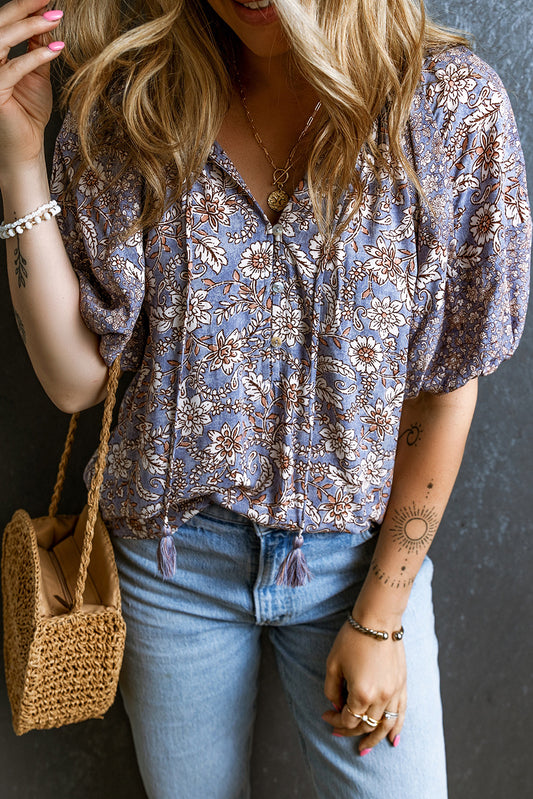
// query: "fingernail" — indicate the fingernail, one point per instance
point(396, 741)
point(55, 47)
point(364, 752)
point(337, 735)
point(336, 708)
point(52, 16)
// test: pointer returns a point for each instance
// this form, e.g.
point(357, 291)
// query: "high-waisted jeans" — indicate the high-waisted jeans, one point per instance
point(189, 675)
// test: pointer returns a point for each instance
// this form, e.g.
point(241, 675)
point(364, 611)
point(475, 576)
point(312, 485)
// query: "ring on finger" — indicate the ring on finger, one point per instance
point(389, 714)
point(366, 719)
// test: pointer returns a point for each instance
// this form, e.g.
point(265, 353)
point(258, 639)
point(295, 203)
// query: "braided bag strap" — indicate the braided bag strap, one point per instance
point(96, 483)
point(60, 479)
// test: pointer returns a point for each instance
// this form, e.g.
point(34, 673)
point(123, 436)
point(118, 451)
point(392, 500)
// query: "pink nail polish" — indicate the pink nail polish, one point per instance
point(336, 708)
point(364, 752)
point(55, 47)
point(396, 741)
point(337, 735)
point(52, 16)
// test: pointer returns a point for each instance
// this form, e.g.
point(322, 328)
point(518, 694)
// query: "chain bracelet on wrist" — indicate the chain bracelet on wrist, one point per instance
point(379, 635)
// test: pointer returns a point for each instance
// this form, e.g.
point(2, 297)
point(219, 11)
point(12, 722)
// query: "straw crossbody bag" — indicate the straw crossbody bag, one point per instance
point(64, 633)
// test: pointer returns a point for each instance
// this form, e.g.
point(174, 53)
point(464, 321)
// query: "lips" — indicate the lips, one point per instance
point(255, 16)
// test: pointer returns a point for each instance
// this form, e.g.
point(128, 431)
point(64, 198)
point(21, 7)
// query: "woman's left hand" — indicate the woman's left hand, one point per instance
point(375, 674)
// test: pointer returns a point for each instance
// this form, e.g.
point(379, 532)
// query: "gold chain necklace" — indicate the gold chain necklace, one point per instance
point(277, 199)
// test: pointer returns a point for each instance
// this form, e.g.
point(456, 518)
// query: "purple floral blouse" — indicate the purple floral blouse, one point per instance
point(270, 371)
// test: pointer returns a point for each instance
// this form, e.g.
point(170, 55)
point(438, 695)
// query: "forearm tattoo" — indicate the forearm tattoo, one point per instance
point(387, 579)
point(413, 528)
point(20, 266)
point(412, 434)
point(20, 327)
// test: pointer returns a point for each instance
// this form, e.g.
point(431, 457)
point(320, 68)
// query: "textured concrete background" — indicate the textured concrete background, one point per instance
point(482, 553)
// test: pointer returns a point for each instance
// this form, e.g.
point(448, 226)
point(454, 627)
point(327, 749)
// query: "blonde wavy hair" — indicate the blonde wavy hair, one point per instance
point(157, 77)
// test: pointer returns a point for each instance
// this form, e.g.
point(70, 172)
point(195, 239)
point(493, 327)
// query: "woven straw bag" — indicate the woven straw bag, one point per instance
point(64, 633)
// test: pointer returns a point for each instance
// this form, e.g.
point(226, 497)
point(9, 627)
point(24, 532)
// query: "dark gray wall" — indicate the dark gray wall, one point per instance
point(482, 553)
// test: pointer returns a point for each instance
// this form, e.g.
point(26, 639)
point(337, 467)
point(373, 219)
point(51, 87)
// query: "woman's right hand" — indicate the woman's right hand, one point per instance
point(25, 90)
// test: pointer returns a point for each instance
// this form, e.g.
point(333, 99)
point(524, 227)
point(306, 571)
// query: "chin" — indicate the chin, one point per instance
point(263, 40)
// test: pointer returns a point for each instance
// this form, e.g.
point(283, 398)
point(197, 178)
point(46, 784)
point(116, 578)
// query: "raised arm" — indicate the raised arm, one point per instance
point(44, 287)
point(433, 432)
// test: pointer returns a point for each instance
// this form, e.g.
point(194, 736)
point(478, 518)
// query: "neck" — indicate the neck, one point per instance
point(274, 76)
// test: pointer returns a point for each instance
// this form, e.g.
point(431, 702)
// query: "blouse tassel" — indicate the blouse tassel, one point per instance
point(294, 571)
point(166, 556)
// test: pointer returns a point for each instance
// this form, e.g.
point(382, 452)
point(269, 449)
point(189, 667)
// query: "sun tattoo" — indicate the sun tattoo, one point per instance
point(413, 528)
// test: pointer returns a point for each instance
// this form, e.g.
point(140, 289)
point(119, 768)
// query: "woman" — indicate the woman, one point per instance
point(303, 225)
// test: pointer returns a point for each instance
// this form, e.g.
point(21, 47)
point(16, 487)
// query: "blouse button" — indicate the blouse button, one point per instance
point(277, 341)
point(277, 230)
point(277, 286)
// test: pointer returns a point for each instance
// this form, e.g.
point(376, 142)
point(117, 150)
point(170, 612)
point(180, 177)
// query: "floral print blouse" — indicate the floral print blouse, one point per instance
point(270, 370)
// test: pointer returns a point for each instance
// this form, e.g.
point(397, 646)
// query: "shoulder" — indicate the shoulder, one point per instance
point(110, 185)
point(463, 93)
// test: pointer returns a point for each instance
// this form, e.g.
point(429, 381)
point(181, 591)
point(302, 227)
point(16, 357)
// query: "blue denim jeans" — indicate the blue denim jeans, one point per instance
point(189, 676)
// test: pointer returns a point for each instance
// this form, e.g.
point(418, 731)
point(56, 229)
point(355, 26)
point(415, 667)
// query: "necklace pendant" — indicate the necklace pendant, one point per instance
point(278, 199)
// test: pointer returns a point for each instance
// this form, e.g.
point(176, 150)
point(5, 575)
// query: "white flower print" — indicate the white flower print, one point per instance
point(283, 457)
point(226, 352)
point(226, 443)
point(212, 206)
point(365, 354)
point(385, 262)
point(385, 317)
point(485, 223)
point(118, 462)
point(380, 418)
point(339, 440)
point(454, 83)
point(372, 471)
point(327, 257)
point(339, 510)
point(198, 310)
point(288, 323)
point(91, 183)
point(295, 391)
point(489, 154)
point(256, 260)
point(192, 415)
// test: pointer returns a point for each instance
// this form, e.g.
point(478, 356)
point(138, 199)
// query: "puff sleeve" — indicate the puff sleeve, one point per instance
point(473, 270)
point(110, 270)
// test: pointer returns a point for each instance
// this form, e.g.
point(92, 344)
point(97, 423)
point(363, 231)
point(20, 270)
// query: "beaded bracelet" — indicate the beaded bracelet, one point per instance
point(379, 635)
point(46, 211)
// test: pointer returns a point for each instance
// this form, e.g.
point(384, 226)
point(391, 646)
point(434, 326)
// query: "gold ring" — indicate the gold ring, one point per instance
point(366, 719)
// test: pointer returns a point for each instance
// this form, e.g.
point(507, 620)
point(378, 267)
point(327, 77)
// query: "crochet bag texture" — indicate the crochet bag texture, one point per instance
point(64, 633)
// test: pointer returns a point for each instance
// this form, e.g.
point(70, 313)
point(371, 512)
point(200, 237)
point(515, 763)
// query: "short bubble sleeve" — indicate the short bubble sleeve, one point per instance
point(471, 289)
point(111, 271)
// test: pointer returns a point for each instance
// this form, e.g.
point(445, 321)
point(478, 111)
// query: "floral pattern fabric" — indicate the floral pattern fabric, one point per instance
point(270, 370)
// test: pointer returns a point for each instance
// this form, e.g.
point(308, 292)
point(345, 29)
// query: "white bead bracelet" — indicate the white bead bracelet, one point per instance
point(46, 211)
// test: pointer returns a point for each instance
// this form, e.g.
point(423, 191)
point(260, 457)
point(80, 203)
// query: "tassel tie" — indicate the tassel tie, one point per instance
point(166, 556)
point(293, 570)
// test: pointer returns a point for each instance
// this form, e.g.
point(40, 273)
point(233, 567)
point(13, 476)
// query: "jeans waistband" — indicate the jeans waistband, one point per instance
point(216, 511)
